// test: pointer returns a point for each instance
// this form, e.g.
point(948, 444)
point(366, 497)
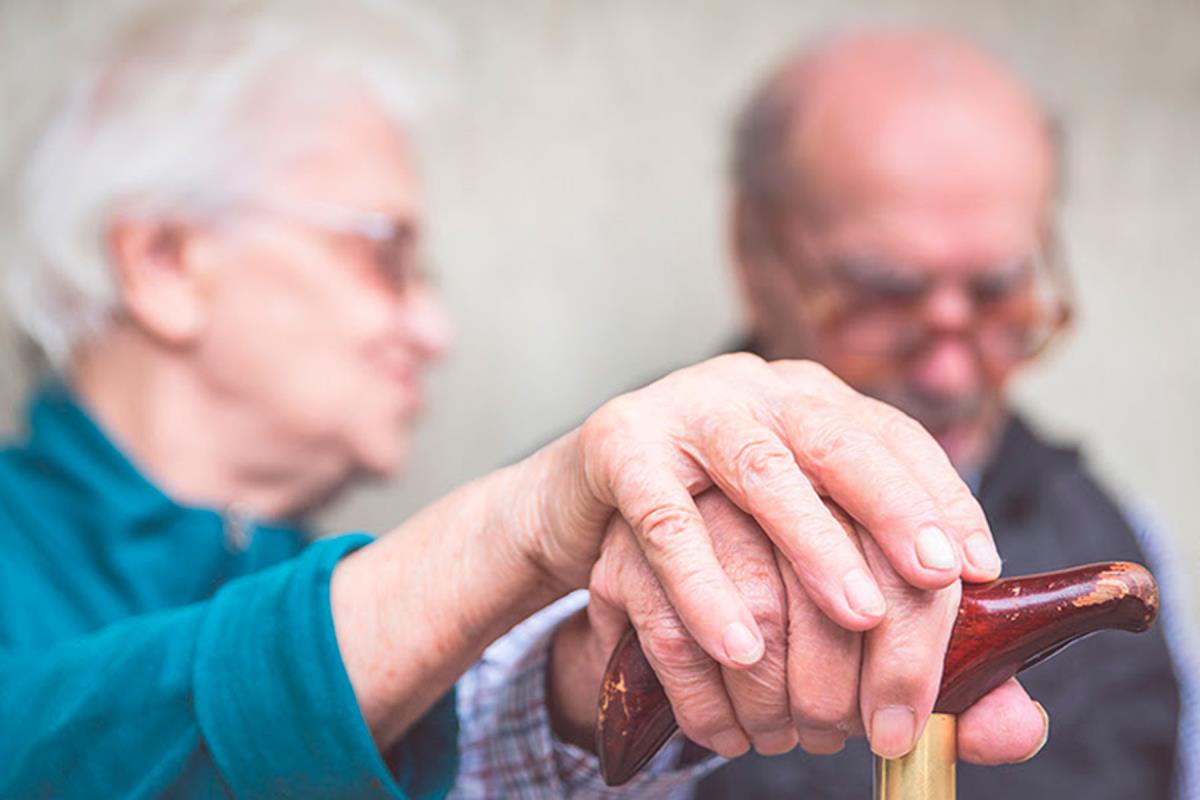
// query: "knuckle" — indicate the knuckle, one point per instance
point(767, 607)
point(831, 439)
point(900, 427)
point(664, 526)
point(817, 371)
point(907, 678)
point(962, 505)
point(813, 380)
point(759, 461)
point(752, 567)
point(808, 369)
point(740, 362)
point(612, 420)
point(764, 719)
point(824, 710)
point(900, 499)
point(761, 704)
point(674, 651)
point(702, 725)
point(702, 708)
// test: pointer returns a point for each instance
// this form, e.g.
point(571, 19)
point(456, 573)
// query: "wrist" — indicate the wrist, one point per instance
point(564, 522)
point(516, 538)
point(438, 589)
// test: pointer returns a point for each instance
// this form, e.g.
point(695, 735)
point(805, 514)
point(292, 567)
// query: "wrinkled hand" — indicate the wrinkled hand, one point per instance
point(817, 683)
point(775, 439)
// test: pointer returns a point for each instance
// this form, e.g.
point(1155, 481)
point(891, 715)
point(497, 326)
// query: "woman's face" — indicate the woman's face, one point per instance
point(316, 317)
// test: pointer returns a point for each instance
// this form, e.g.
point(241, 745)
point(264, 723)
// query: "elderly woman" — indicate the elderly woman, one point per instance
point(222, 230)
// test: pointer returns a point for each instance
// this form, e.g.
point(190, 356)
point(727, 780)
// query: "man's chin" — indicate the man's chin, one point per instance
point(953, 442)
point(966, 446)
point(964, 429)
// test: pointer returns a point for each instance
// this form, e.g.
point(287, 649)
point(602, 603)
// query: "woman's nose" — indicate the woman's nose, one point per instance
point(427, 325)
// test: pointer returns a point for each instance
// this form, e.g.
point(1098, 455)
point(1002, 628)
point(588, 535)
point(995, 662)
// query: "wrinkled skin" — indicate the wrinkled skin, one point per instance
point(807, 689)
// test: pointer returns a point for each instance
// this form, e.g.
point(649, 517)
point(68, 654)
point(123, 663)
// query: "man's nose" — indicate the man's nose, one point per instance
point(948, 366)
point(948, 309)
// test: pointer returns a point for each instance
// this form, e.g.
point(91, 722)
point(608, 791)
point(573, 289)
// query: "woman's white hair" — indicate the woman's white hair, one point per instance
point(157, 124)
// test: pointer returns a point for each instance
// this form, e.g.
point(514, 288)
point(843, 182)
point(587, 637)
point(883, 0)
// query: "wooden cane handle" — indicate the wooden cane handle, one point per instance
point(1002, 628)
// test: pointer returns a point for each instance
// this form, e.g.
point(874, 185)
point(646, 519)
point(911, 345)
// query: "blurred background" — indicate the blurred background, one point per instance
point(576, 192)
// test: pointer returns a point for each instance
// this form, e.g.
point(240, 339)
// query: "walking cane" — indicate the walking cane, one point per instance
point(1002, 628)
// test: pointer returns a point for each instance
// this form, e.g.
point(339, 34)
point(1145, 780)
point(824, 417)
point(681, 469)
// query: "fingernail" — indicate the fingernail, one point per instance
point(982, 553)
point(741, 645)
point(1045, 733)
point(934, 549)
point(776, 742)
point(893, 730)
point(863, 595)
point(730, 744)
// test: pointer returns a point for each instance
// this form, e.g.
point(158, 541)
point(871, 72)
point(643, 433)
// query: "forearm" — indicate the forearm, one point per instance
point(416, 608)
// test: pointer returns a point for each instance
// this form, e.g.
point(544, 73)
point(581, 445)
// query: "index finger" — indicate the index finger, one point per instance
point(678, 547)
point(844, 456)
point(902, 658)
point(930, 465)
point(916, 458)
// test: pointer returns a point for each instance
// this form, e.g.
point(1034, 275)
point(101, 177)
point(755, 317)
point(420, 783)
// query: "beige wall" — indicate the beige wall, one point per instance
point(577, 204)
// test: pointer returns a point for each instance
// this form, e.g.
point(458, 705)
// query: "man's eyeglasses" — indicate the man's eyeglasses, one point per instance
point(878, 309)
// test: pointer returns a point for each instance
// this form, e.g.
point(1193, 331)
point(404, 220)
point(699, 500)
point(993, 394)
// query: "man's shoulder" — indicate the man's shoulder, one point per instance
point(1028, 460)
point(1044, 493)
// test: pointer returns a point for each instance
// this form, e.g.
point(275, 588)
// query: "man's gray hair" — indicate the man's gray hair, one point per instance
point(159, 124)
point(758, 162)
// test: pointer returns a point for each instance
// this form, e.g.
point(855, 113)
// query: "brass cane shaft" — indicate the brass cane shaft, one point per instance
point(927, 773)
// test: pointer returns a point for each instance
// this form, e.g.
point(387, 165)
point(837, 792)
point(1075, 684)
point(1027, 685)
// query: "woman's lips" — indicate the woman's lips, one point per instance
point(408, 380)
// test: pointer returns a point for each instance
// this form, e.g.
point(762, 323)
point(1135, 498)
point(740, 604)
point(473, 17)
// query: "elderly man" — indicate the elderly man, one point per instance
point(894, 220)
point(221, 226)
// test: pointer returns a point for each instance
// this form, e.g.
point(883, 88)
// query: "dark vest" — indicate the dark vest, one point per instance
point(1113, 699)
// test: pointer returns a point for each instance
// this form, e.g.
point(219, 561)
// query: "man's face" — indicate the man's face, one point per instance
point(316, 321)
point(912, 268)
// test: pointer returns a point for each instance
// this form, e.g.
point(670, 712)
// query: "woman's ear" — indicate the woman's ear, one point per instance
point(160, 286)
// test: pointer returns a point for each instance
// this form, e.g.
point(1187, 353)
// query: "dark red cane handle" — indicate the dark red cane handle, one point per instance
point(1002, 628)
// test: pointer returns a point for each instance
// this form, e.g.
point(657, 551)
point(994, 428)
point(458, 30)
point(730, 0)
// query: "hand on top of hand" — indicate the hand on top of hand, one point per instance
point(775, 438)
point(750, 612)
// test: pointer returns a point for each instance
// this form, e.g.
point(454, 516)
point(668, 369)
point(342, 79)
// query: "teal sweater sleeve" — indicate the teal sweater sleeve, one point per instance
point(244, 695)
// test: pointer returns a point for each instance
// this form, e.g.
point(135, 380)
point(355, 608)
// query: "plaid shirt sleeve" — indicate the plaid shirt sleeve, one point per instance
point(506, 746)
point(1181, 640)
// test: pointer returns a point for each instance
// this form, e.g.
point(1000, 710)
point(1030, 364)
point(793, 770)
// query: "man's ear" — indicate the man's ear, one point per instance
point(159, 285)
point(753, 258)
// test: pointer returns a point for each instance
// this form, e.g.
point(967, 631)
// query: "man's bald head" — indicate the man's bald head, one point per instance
point(905, 100)
point(894, 200)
